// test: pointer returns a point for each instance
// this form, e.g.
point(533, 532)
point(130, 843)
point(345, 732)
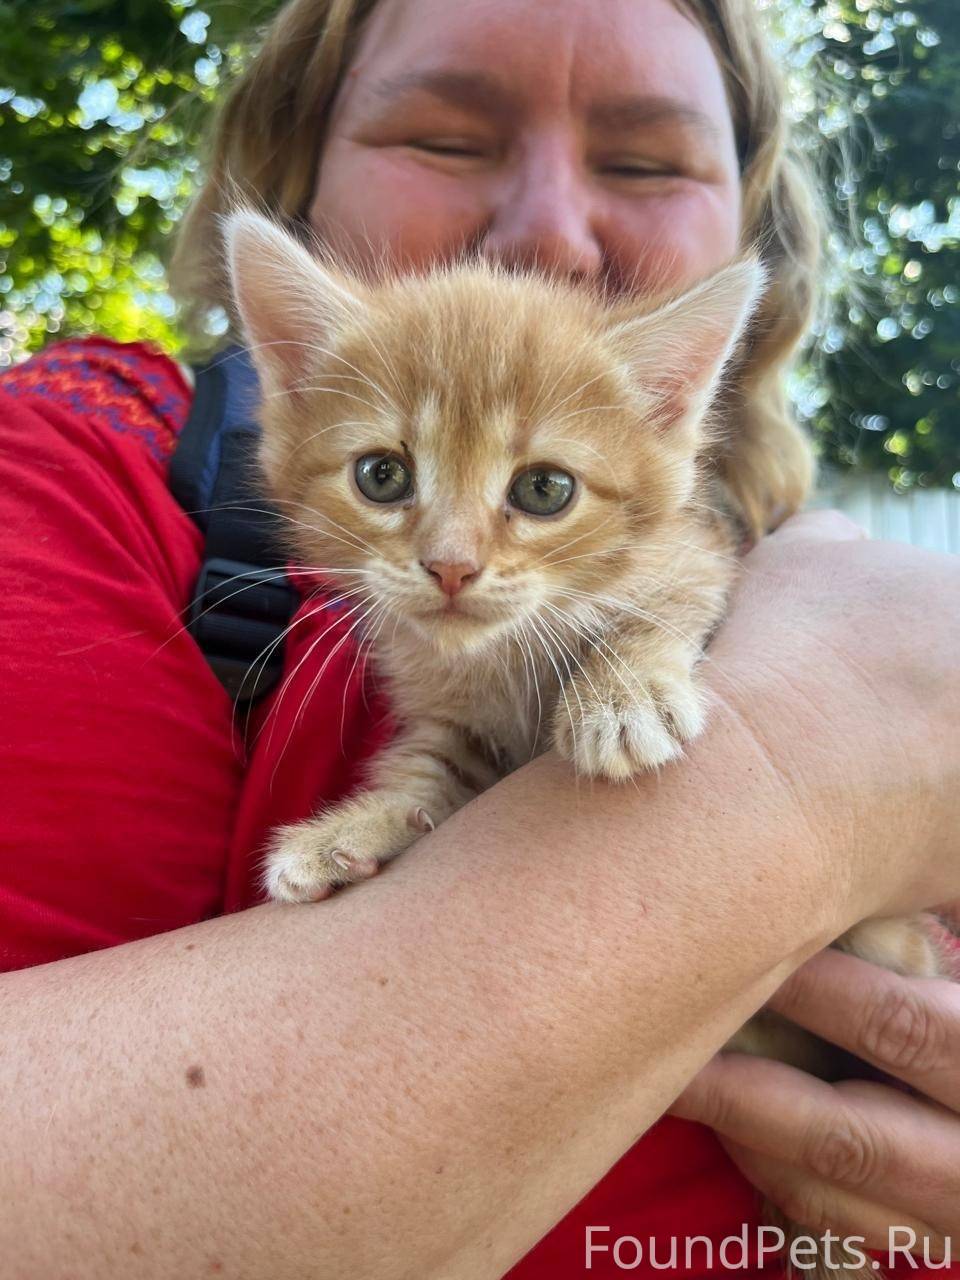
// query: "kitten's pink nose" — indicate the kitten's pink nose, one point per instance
point(452, 578)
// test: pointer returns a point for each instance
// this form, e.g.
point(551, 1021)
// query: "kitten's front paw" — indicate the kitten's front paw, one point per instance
point(308, 860)
point(609, 731)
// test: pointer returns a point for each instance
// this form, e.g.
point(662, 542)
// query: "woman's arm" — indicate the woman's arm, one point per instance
point(419, 1077)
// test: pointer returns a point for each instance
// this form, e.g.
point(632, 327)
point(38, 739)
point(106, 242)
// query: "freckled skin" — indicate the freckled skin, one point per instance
point(541, 186)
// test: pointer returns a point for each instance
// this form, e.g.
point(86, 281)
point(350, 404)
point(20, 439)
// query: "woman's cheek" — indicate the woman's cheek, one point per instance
point(383, 200)
point(669, 241)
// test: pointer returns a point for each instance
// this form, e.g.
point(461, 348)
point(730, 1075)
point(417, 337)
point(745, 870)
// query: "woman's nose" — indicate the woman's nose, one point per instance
point(542, 217)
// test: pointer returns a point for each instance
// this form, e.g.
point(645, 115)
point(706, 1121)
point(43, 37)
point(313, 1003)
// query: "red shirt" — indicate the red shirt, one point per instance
point(129, 805)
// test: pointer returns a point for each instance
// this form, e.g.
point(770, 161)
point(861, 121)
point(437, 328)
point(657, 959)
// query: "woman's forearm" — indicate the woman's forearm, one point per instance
point(418, 1077)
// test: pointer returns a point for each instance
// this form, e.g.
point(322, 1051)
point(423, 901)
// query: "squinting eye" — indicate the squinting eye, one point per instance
point(383, 477)
point(453, 150)
point(541, 491)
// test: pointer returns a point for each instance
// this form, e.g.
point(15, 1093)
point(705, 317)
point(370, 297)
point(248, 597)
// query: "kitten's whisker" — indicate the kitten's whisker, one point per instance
point(649, 578)
point(339, 644)
point(577, 390)
point(556, 381)
point(563, 692)
point(393, 637)
point(387, 610)
point(596, 641)
point(249, 348)
point(274, 572)
point(563, 649)
point(281, 515)
point(359, 543)
point(536, 684)
point(315, 683)
point(693, 546)
point(535, 408)
point(259, 664)
point(318, 386)
point(590, 555)
point(698, 504)
point(369, 640)
point(334, 426)
point(302, 386)
point(572, 542)
point(582, 444)
point(590, 408)
point(360, 375)
point(388, 367)
point(322, 515)
point(586, 674)
point(526, 672)
point(292, 675)
point(612, 603)
point(267, 652)
point(638, 611)
point(184, 627)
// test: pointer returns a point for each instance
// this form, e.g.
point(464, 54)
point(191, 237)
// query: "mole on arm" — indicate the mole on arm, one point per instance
point(195, 1077)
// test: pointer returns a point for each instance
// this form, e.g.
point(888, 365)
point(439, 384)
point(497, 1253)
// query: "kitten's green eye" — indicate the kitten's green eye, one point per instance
point(383, 477)
point(541, 491)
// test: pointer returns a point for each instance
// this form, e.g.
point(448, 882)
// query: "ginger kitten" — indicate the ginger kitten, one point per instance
point(509, 475)
point(510, 479)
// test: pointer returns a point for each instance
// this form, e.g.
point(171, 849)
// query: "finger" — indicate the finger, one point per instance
point(907, 1027)
point(819, 1207)
point(869, 1139)
point(825, 525)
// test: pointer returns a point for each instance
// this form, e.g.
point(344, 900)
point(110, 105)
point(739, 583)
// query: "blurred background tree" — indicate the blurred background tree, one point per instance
point(103, 105)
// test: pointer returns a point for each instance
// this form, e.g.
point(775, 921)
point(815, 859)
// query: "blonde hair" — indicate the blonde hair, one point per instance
point(266, 143)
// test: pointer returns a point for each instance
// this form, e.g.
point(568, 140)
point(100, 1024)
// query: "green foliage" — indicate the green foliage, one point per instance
point(103, 104)
point(883, 390)
point(102, 107)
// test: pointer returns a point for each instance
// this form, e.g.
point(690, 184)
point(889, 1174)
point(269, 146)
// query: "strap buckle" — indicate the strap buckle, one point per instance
point(238, 617)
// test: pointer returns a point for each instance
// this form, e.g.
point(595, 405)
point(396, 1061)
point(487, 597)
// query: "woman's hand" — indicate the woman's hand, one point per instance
point(825, 657)
point(858, 1158)
point(840, 656)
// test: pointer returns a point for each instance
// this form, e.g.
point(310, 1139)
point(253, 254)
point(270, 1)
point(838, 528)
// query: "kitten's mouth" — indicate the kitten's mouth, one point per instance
point(458, 622)
point(454, 612)
point(452, 609)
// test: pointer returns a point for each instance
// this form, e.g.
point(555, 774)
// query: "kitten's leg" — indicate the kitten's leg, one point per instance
point(633, 704)
point(910, 946)
point(429, 772)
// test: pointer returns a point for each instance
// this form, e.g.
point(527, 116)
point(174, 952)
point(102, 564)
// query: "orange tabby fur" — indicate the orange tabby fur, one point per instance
point(580, 631)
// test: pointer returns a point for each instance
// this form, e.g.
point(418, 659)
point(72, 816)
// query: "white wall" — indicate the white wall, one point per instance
point(925, 517)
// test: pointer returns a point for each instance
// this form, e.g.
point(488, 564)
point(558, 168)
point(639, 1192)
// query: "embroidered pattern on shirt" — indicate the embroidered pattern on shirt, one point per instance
point(127, 387)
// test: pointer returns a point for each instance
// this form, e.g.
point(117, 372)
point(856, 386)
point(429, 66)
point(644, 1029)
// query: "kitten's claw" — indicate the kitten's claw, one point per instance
point(299, 868)
point(616, 736)
point(355, 868)
point(420, 820)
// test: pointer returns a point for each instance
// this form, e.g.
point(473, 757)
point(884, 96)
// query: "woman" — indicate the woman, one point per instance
point(420, 1078)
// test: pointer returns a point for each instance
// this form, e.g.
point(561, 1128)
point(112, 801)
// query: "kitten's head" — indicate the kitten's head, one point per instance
point(474, 447)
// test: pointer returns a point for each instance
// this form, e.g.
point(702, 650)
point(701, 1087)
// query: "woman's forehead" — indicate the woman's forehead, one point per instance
point(515, 56)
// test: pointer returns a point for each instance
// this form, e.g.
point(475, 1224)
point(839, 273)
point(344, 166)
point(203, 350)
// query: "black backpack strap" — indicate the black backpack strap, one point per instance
point(243, 601)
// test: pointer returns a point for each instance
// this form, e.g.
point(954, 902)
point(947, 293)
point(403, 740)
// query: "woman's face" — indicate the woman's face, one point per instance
point(593, 140)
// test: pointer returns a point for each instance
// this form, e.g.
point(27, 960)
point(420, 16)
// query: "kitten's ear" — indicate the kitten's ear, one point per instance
point(678, 352)
point(289, 303)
